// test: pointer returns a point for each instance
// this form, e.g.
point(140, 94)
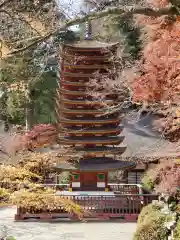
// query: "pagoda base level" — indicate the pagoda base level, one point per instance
point(61, 217)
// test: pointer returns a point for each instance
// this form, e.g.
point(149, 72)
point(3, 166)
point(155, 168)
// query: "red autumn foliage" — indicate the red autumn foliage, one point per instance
point(168, 123)
point(160, 66)
point(170, 128)
point(39, 136)
point(167, 177)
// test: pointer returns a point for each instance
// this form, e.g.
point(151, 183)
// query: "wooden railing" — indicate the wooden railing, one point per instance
point(126, 188)
point(103, 204)
point(119, 206)
point(125, 204)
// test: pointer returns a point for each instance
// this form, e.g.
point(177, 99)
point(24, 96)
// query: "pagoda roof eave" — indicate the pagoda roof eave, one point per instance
point(84, 111)
point(111, 165)
point(79, 75)
point(100, 150)
point(90, 67)
point(96, 58)
point(90, 121)
point(106, 130)
point(76, 84)
point(69, 92)
point(93, 140)
point(91, 44)
point(84, 102)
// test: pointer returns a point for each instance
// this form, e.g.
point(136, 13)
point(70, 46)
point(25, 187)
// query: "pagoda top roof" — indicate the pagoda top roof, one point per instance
point(91, 44)
point(96, 164)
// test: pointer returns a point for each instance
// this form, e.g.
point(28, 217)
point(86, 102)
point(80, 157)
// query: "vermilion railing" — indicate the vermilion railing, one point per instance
point(126, 206)
point(126, 188)
point(122, 203)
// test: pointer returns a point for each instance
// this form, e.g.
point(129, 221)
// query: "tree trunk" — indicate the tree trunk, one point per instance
point(4, 114)
point(29, 110)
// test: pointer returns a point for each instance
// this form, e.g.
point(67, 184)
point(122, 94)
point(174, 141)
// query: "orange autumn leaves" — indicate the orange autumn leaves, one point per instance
point(165, 177)
point(160, 65)
point(40, 135)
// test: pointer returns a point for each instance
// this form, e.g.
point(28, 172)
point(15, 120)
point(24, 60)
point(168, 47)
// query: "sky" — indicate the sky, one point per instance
point(71, 8)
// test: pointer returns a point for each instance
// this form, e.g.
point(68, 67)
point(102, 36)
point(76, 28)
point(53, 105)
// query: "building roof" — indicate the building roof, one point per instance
point(142, 140)
point(96, 164)
point(91, 44)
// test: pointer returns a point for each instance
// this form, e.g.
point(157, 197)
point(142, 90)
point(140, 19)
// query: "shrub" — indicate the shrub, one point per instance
point(148, 181)
point(4, 195)
point(10, 174)
point(177, 231)
point(147, 210)
point(14, 178)
point(151, 224)
point(64, 178)
point(152, 228)
point(44, 200)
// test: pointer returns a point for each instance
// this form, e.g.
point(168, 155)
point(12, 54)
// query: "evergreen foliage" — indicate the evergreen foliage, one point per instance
point(37, 70)
point(123, 30)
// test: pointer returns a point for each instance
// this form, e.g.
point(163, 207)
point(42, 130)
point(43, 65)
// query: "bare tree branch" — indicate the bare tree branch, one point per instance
point(3, 4)
point(156, 12)
point(39, 40)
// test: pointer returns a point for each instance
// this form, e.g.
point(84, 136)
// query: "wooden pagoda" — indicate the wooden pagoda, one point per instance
point(95, 136)
point(86, 128)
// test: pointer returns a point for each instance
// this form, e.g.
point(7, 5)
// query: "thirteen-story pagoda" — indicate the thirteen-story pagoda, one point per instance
point(95, 135)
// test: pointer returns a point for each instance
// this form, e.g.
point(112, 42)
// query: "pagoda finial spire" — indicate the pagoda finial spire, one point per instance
point(88, 31)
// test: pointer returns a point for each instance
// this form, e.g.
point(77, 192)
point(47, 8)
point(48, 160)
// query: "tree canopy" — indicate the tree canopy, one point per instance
point(26, 13)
